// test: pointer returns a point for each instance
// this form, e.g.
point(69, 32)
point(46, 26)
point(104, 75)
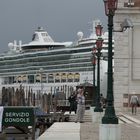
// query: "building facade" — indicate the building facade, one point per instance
point(127, 54)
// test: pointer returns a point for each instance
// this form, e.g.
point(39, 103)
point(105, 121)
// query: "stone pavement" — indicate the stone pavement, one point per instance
point(130, 129)
point(89, 131)
point(62, 131)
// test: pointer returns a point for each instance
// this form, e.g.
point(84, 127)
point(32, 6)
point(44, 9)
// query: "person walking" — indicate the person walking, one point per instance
point(73, 102)
point(80, 106)
point(134, 103)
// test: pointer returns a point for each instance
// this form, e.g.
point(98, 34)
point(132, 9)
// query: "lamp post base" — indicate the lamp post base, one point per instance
point(110, 117)
point(96, 116)
point(109, 132)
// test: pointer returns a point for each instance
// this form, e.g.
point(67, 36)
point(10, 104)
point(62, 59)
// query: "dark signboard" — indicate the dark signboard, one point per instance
point(18, 116)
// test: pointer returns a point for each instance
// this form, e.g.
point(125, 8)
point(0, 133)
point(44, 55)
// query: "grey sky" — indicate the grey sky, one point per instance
point(61, 18)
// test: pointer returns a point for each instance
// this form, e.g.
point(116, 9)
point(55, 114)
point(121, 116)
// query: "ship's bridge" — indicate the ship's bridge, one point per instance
point(42, 41)
point(41, 36)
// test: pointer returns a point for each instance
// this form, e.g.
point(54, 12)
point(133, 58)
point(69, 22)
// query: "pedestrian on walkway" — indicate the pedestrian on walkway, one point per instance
point(134, 103)
point(80, 106)
point(102, 101)
point(73, 102)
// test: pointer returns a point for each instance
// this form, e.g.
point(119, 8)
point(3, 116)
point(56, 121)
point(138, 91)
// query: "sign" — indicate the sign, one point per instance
point(18, 116)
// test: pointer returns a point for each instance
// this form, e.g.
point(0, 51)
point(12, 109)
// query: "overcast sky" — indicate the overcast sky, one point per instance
point(61, 18)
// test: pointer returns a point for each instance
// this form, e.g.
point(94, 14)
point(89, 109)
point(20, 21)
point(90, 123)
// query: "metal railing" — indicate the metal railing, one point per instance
point(66, 102)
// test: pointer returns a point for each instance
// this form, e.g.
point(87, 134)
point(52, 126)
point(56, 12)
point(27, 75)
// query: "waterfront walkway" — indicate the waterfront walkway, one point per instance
point(130, 129)
point(62, 131)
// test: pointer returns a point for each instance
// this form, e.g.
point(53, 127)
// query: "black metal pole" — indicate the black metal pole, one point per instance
point(94, 75)
point(93, 99)
point(98, 104)
point(110, 116)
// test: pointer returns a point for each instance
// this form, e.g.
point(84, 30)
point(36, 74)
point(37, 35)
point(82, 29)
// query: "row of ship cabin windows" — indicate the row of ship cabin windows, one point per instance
point(42, 78)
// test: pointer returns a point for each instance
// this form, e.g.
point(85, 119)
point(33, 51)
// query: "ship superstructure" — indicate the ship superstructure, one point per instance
point(48, 66)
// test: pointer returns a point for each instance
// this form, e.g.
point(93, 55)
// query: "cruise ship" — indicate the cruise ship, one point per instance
point(50, 67)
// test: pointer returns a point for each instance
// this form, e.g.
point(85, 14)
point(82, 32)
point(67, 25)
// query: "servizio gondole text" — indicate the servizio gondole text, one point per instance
point(17, 117)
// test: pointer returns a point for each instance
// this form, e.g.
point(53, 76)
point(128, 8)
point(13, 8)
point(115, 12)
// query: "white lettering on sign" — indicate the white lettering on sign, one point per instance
point(13, 120)
point(17, 117)
point(14, 114)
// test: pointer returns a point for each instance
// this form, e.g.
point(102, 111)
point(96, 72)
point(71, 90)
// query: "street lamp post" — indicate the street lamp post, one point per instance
point(97, 113)
point(110, 117)
point(94, 65)
point(99, 43)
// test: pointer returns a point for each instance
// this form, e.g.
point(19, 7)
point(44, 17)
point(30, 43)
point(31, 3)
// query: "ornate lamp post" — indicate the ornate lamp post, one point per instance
point(98, 30)
point(110, 117)
point(99, 43)
point(94, 65)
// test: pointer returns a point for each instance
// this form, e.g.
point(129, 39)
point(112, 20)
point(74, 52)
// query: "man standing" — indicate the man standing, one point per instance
point(134, 102)
point(80, 105)
point(73, 103)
